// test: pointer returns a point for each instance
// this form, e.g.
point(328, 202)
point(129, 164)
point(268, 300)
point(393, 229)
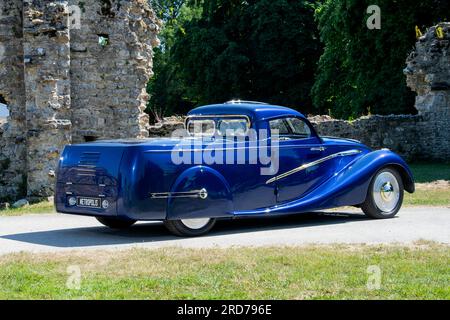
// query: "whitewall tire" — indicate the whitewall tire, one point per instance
point(190, 227)
point(385, 195)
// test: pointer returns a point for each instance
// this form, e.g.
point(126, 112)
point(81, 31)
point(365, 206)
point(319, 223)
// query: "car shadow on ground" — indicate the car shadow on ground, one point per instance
point(156, 232)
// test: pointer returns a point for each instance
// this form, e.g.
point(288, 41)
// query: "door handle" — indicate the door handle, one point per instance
point(318, 149)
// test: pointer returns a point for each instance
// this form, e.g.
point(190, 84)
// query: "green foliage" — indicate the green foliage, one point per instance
point(214, 51)
point(257, 50)
point(426, 172)
point(276, 51)
point(361, 69)
point(166, 88)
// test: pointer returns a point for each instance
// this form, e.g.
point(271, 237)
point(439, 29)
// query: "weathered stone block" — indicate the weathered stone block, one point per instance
point(20, 203)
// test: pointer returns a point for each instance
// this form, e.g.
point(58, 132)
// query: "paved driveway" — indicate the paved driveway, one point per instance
point(55, 232)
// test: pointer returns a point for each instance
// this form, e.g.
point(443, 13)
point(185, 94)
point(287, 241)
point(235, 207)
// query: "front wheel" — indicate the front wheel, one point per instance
point(385, 196)
point(115, 223)
point(190, 227)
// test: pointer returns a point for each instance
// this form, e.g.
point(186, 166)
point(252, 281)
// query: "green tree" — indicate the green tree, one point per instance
point(263, 50)
point(166, 88)
point(361, 69)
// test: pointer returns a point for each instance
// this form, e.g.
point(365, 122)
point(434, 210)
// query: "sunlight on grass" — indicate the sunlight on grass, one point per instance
point(419, 271)
point(434, 197)
point(41, 207)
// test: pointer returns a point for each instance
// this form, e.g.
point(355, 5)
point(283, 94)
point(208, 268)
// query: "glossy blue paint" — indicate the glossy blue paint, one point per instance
point(129, 173)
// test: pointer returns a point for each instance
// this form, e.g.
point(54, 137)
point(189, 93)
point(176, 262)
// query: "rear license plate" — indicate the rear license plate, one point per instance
point(88, 202)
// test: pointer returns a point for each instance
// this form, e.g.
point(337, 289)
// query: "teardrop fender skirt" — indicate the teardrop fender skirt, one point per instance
point(200, 192)
point(348, 187)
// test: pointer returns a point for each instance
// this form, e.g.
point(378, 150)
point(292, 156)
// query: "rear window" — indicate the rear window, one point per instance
point(218, 126)
point(201, 127)
point(232, 127)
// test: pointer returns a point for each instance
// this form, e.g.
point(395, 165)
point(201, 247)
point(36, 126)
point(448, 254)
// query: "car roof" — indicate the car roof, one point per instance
point(255, 110)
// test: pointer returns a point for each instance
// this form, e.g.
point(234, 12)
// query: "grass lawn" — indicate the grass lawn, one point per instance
point(428, 192)
point(42, 207)
point(432, 197)
point(313, 272)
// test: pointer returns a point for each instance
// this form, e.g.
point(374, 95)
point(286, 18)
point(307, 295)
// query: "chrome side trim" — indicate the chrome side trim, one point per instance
point(293, 146)
point(311, 164)
point(202, 194)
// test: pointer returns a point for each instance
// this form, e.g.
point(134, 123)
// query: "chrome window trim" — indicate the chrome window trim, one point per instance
point(313, 163)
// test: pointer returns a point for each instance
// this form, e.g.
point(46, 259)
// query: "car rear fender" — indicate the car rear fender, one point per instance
point(199, 192)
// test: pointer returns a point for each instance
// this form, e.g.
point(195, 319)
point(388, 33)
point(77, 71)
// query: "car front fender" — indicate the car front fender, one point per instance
point(347, 187)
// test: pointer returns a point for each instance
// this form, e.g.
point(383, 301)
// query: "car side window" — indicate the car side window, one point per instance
point(290, 128)
point(280, 125)
point(299, 128)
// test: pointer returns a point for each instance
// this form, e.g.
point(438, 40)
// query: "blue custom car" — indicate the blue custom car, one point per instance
point(234, 159)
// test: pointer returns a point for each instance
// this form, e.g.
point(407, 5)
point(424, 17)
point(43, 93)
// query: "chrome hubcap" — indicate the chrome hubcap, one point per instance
point(386, 192)
point(195, 223)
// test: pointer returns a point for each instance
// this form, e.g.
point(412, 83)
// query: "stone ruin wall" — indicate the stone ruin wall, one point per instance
point(426, 135)
point(109, 83)
point(428, 74)
point(62, 86)
point(396, 132)
point(12, 89)
point(422, 136)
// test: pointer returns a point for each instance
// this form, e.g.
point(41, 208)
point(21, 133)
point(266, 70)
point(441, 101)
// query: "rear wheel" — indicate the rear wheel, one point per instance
point(190, 227)
point(385, 196)
point(115, 223)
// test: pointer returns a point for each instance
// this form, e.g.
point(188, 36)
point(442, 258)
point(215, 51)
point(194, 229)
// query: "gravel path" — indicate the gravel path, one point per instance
point(55, 232)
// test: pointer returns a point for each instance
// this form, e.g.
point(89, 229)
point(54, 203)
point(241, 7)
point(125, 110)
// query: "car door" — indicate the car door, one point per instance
point(299, 150)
